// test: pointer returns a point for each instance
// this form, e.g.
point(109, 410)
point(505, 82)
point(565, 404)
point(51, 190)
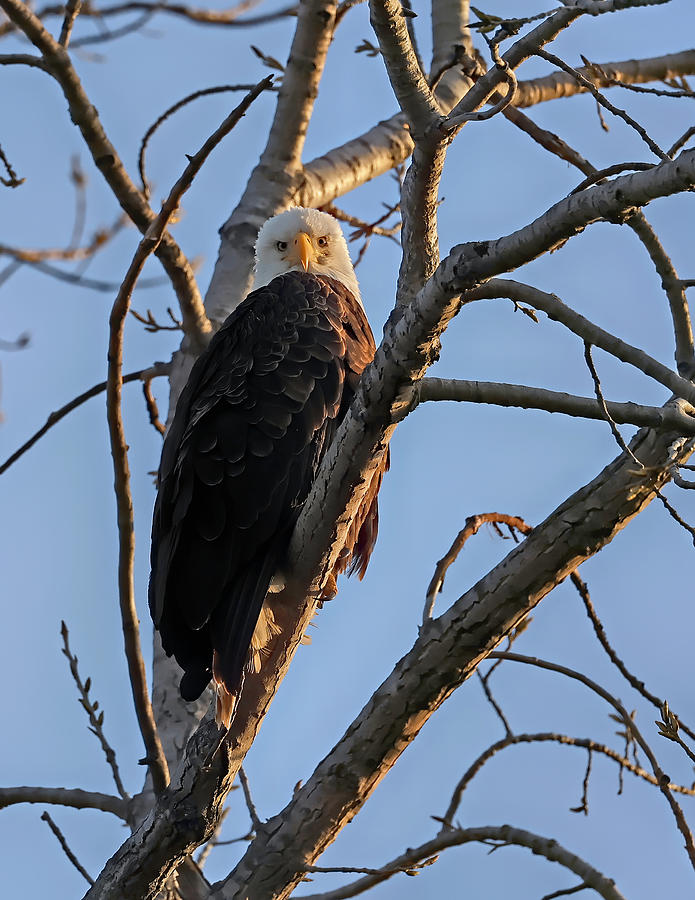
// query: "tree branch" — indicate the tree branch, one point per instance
point(662, 779)
point(58, 414)
point(84, 115)
point(506, 834)
point(518, 395)
point(274, 182)
point(388, 144)
point(446, 653)
point(512, 740)
point(66, 849)
point(73, 797)
point(557, 311)
point(156, 759)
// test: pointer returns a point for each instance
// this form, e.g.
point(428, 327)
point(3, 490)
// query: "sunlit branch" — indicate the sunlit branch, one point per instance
point(73, 797)
point(518, 395)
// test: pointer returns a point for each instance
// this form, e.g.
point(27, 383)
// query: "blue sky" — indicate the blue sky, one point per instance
point(58, 556)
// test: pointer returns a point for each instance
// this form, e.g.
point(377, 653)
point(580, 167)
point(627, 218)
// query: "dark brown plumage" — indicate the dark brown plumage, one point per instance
point(260, 409)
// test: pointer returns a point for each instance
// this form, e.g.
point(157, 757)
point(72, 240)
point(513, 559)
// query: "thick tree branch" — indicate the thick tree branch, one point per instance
point(519, 395)
point(450, 646)
point(73, 797)
point(629, 71)
point(557, 311)
point(388, 144)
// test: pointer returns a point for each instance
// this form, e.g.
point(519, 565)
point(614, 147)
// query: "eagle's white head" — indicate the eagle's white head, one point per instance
point(304, 240)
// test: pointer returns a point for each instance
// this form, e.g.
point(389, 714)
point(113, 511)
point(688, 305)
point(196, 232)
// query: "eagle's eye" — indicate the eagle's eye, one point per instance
point(322, 242)
point(281, 245)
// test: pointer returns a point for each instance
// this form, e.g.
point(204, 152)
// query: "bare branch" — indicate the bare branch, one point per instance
point(57, 415)
point(505, 834)
point(250, 805)
point(155, 759)
point(72, 797)
point(205, 92)
point(406, 77)
point(629, 71)
point(11, 181)
point(225, 17)
point(84, 114)
point(557, 311)
point(602, 403)
point(600, 632)
point(519, 395)
point(72, 10)
point(90, 707)
point(662, 779)
point(66, 849)
point(274, 182)
point(600, 99)
point(682, 141)
point(471, 528)
point(674, 288)
point(152, 409)
point(512, 740)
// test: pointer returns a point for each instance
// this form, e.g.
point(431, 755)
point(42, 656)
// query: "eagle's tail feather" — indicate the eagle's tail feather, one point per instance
point(241, 636)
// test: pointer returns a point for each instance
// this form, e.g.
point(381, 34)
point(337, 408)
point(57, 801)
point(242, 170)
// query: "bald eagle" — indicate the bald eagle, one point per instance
point(259, 410)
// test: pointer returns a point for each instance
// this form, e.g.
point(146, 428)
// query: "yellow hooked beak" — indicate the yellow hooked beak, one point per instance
point(302, 251)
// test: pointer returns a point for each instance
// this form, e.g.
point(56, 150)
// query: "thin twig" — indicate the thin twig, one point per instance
point(11, 180)
point(96, 722)
point(472, 526)
point(491, 700)
point(565, 892)
point(584, 804)
point(250, 805)
point(58, 414)
point(681, 142)
point(602, 403)
point(72, 10)
point(66, 849)
point(600, 633)
point(623, 446)
point(200, 16)
point(152, 408)
point(504, 835)
point(661, 778)
point(598, 176)
point(589, 86)
point(205, 92)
